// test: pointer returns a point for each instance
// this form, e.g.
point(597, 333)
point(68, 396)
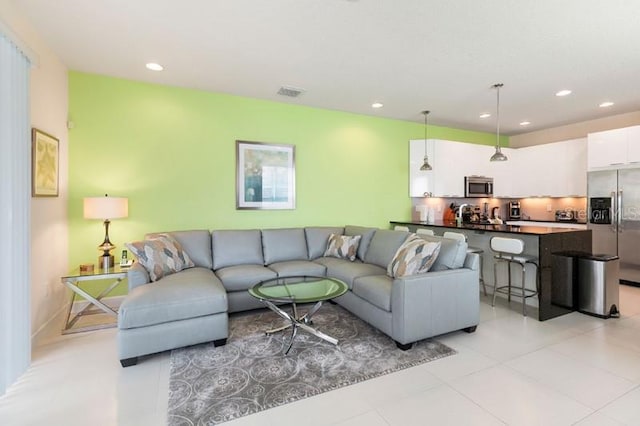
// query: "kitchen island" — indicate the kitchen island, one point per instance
point(539, 241)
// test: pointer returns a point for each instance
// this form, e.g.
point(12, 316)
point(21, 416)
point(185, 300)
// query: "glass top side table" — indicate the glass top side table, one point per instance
point(294, 290)
point(95, 305)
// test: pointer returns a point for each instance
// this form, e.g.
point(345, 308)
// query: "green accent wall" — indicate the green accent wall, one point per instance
point(171, 151)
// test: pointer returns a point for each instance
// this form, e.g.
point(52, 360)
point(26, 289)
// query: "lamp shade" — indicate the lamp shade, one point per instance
point(106, 207)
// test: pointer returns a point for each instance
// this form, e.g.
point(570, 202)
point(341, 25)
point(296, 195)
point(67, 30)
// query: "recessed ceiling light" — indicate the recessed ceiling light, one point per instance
point(525, 123)
point(377, 105)
point(564, 92)
point(154, 67)
point(485, 115)
point(606, 104)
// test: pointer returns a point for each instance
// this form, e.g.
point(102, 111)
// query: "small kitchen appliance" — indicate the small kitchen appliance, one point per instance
point(566, 216)
point(478, 187)
point(513, 210)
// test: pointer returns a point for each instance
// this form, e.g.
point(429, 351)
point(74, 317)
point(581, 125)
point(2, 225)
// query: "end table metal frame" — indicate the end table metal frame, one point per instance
point(71, 282)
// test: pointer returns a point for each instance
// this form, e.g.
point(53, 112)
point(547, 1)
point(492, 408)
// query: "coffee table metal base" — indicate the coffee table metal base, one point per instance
point(296, 322)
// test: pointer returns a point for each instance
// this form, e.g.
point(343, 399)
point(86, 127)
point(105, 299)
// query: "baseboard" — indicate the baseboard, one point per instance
point(49, 328)
point(53, 327)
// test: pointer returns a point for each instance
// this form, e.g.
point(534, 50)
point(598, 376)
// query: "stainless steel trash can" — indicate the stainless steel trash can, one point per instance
point(598, 285)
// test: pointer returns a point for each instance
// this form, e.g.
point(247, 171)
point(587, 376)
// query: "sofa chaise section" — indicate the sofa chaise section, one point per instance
point(178, 310)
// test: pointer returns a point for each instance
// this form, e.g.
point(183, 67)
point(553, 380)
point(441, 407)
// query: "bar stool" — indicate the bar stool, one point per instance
point(401, 228)
point(425, 231)
point(510, 250)
point(461, 237)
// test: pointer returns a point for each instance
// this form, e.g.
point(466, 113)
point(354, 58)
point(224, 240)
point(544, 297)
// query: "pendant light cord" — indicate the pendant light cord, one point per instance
point(497, 86)
point(426, 114)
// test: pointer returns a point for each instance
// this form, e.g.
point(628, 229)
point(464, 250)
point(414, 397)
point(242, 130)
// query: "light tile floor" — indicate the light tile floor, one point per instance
point(575, 369)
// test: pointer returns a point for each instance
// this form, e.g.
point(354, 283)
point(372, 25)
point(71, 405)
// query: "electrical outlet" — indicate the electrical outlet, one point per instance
point(548, 207)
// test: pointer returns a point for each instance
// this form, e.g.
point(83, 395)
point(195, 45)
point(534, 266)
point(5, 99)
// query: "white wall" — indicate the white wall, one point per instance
point(49, 233)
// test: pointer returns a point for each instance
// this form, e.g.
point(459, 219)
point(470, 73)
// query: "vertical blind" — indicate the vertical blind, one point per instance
point(15, 192)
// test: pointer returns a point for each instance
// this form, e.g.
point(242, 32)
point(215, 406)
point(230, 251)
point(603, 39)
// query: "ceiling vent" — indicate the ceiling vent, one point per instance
point(292, 92)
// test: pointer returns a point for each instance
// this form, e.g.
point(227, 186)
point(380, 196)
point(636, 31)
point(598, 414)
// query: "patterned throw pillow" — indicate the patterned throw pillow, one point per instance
point(414, 256)
point(160, 256)
point(343, 246)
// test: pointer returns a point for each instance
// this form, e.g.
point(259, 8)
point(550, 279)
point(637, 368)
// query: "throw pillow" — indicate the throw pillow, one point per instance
point(414, 256)
point(343, 246)
point(160, 256)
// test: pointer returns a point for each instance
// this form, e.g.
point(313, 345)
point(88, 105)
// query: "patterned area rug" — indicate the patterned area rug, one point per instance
point(250, 373)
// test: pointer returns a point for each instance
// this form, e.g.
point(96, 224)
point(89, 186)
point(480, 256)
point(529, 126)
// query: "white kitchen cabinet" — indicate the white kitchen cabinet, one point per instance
point(613, 148)
point(504, 173)
point(421, 183)
point(551, 170)
point(451, 163)
point(454, 161)
point(575, 173)
point(633, 145)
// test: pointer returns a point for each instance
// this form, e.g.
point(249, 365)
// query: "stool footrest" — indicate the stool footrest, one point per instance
point(517, 291)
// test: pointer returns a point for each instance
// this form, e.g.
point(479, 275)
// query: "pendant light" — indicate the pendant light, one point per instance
point(498, 155)
point(425, 166)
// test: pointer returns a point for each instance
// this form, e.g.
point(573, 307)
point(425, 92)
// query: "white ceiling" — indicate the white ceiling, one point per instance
point(410, 55)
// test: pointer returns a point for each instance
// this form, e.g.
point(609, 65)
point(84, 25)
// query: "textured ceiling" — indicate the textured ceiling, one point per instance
point(410, 55)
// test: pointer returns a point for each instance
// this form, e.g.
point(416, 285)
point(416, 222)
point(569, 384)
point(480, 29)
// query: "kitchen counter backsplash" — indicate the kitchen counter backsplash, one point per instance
point(536, 209)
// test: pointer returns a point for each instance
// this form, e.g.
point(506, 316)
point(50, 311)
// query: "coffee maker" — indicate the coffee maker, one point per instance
point(513, 210)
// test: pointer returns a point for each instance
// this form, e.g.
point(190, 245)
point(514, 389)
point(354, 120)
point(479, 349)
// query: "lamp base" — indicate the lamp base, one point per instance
point(106, 262)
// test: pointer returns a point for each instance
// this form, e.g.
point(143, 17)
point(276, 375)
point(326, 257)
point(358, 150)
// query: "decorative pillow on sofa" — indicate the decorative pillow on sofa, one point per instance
point(160, 256)
point(343, 246)
point(414, 256)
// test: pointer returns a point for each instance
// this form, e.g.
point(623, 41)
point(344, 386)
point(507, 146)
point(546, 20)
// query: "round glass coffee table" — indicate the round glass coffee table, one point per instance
point(296, 290)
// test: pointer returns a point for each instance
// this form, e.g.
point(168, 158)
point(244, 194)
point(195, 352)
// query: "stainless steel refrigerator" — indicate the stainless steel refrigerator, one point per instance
point(614, 218)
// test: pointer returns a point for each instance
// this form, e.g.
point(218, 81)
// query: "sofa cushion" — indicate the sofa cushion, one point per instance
point(187, 294)
point(452, 252)
point(348, 271)
point(280, 245)
point(317, 237)
point(367, 234)
point(383, 246)
point(243, 277)
point(197, 244)
point(343, 246)
point(160, 256)
point(375, 290)
point(294, 268)
point(242, 247)
point(414, 256)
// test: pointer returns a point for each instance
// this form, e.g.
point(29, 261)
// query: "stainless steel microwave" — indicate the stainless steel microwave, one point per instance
point(478, 186)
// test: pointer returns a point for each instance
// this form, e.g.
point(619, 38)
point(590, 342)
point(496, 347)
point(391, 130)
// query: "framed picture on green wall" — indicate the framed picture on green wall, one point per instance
point(265, 176)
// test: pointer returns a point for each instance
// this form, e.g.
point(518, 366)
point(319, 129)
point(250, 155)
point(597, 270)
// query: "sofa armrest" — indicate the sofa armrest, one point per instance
point(435, 303)
point(137, 275)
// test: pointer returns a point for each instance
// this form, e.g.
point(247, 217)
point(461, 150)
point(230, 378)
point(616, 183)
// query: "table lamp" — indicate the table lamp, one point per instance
point(106, 208)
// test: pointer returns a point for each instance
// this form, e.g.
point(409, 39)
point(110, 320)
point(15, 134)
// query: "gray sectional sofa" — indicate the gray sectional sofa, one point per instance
point(192, 306)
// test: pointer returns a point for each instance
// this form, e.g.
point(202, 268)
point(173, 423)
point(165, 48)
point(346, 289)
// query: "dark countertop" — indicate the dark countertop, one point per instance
point(574, 222)
point(509, 229)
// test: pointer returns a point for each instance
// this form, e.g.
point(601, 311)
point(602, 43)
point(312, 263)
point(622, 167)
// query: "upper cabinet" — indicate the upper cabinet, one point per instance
point(614, 148)
point(420, 182)
point(551, 170)
point(451, 162)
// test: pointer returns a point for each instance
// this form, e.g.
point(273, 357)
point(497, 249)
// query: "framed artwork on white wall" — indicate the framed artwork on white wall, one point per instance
point(44, 164)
